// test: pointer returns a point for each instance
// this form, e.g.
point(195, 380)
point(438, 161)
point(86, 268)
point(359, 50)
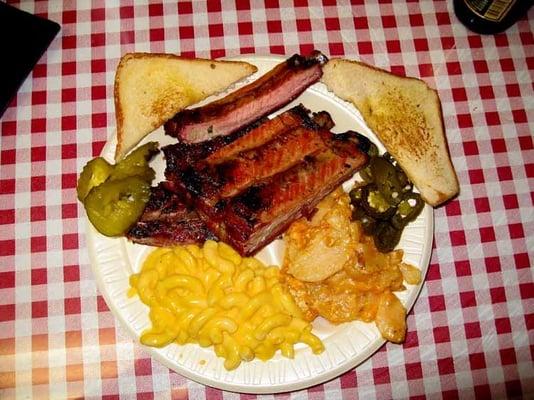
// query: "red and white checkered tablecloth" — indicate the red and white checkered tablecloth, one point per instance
point(471, 332)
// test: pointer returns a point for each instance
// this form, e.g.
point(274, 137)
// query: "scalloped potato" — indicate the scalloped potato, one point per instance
point(335, 271)
point(323, 247)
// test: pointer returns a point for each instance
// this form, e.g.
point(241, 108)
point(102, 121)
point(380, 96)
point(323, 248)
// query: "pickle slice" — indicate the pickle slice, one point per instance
point(94, 173)
point(114, 206)
point(136, 163)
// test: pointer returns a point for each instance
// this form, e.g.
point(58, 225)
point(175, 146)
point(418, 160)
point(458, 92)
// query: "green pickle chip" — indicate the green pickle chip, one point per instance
point(136, 163)
point(95, 172)
point(115, 206)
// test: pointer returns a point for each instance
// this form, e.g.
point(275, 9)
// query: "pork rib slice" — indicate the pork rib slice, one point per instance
point(260, 98)
point(168, 220)
point(260, 135)
point(275, 156)
point(182, 155)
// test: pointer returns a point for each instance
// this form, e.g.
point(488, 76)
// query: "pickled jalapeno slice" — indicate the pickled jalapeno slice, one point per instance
point(408, 209)
point(374, 203)
point(373, 150)
point(386, 203)
point(366, 174)
point(385, 176)
point(389, 158)
point(356, 194)
point(386, 237)
point(404, 182)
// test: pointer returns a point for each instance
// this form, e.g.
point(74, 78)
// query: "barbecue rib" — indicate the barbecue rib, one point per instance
point(260, 98)
point(168, 219)
point(250, 190)
point(254, 165)
point(257, 137)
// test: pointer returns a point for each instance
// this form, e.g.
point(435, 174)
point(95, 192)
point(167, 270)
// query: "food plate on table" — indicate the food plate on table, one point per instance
point(347, 345)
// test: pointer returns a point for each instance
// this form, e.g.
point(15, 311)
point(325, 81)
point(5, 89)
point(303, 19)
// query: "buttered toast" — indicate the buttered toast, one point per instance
point(406, 116)
point(152, 88)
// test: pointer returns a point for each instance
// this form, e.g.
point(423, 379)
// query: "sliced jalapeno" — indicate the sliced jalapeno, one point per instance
point(114, 206)
point(373, 150)
point(366, 174)
point(389, 158)
point(386, 202)
point(408, 209)
point(374, 203)
point(386, 237)
point(356, 194)
point(368, 223)
point(385, 176)
point(404, 182)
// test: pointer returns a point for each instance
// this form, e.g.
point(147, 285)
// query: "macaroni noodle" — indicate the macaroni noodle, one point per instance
point(214, 297)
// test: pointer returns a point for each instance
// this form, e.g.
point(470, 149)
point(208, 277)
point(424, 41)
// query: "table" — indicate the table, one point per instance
point(471, 332)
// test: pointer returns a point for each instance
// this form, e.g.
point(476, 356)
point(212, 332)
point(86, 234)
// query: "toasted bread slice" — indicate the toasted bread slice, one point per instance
point(406, 116)
point(152, 88)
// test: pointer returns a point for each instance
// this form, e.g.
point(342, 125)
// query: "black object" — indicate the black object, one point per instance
point(490, 16)
point(23, 40)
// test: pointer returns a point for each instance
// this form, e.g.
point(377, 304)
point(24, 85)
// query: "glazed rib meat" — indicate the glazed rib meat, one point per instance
point(275, 89)
point(168, 219)
point(257, 137)
point(276, 156)
point(250, 190)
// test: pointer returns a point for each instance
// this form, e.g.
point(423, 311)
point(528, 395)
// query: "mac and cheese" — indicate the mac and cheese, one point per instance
point(214, 297)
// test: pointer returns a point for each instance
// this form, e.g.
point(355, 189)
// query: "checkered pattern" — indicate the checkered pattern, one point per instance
point(471, 333)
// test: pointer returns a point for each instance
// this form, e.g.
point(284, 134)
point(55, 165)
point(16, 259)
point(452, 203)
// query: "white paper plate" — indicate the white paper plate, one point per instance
point(346, 345)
